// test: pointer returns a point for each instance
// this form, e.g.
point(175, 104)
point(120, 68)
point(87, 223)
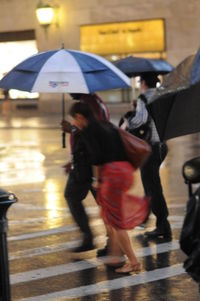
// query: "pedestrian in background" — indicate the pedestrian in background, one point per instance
point(113, 178)
point(141, 122)
point(79, 181)
point(6, 106)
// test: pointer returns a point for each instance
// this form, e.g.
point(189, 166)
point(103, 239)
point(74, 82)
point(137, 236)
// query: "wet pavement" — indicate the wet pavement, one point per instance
point(42, 232)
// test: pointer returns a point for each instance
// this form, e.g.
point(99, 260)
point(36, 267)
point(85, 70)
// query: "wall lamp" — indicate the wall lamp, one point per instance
point(46, 14)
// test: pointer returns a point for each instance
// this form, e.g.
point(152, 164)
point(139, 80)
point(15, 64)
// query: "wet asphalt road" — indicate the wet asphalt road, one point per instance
point(41, 230)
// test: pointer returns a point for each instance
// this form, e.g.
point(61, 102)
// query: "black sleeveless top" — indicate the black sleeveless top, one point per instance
point(103, 143)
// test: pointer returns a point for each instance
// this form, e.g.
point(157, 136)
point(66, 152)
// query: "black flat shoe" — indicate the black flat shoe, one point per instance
point(84, 248)
point(102, 252)
point(158, 233)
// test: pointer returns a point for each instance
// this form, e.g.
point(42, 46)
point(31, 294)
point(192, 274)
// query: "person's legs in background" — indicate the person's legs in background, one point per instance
point(75, 193)
point(153, 188)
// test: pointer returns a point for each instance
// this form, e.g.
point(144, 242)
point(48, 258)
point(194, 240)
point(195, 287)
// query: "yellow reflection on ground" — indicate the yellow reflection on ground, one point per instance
point(21, 161)
point(20, 123)
point(21, 165)
point(52, 200)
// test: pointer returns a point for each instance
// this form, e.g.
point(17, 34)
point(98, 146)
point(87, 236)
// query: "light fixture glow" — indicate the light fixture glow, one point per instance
point(45, 15)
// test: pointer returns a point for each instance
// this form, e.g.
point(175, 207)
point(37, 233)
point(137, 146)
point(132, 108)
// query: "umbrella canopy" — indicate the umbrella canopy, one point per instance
point(176, 106)
point(65, 71)
point(135, 66)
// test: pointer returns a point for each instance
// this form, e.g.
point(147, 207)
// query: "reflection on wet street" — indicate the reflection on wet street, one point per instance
point(42, 232)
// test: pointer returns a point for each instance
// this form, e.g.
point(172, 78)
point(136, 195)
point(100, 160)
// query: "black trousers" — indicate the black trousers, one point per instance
point(75, 193)
point(152, 184)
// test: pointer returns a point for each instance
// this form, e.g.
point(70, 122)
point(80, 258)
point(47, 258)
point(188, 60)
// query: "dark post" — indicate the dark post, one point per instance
point(6, 199)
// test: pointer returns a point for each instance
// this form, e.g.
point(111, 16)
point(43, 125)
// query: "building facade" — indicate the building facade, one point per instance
point(112, 28)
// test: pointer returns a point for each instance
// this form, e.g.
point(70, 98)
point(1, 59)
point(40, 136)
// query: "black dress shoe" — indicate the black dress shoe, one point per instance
point(102, 252)
point(156, 233)
point(84, 247)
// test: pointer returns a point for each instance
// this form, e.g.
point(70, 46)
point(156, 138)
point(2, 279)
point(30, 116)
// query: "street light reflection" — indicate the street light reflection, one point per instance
point(27, 167)
point(52, 200)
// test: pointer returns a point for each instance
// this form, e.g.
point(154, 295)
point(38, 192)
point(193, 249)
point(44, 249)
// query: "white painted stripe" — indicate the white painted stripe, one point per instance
point(176, 218)
point(50, 249)
point(110, 285)
point(42, 233)
point(27, 207)
point(70, 228)
point(90, 263)
point(63, 246)
point(174, 206)
point(60, 74)
point(91, 211)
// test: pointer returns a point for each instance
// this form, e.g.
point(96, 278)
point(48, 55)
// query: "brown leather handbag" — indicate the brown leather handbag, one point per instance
point(136, 149)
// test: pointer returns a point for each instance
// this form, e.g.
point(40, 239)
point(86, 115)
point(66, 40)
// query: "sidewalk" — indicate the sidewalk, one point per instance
point(40, 121)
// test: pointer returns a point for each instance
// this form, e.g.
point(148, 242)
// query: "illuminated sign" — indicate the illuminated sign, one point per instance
point(125, 37)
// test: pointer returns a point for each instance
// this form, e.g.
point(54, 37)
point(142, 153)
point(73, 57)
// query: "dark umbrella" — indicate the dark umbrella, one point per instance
point(176, 106)
point(135, 66)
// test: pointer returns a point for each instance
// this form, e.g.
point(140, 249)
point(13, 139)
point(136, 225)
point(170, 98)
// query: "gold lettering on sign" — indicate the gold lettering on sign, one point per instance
point(125, 37)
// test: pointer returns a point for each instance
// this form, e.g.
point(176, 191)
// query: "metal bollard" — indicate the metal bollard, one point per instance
point(6, 199)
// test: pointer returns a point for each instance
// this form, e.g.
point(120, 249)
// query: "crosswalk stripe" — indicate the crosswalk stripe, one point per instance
point(66, 245)
point(59, 270)
point(90, 263)
point(65, 229)
point(70, 228)
point(110, 285)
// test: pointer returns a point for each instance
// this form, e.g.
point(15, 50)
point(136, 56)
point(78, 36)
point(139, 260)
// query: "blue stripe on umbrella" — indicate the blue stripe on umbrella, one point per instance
point(96, 81)
point(161, 65)
point(101, 77)
point(20, 80)
point(36, 62)
point(24, 75)
point(87, 63)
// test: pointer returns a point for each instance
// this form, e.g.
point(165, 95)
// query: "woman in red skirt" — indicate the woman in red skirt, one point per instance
point(113, 178)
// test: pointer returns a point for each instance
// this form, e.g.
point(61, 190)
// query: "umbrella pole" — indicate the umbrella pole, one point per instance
point(63, 117)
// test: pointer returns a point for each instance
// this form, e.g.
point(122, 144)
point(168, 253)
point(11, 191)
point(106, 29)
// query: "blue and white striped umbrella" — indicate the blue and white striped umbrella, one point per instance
point(65, 71)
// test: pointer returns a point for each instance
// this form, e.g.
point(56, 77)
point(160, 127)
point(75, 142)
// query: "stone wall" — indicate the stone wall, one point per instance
point(181, 16)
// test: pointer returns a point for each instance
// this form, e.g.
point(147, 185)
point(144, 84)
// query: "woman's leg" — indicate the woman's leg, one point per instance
point(114, 251)
point(114, 257)
point(126, 247)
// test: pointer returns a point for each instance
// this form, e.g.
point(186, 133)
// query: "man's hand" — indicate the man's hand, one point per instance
point(124, 124)
point(66, 126)
point(67, 167)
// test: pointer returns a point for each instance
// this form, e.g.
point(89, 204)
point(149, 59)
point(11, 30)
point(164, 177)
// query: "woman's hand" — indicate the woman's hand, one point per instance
point(95, 183)
point(66, 126)
point(67, 167)
point(124, 124)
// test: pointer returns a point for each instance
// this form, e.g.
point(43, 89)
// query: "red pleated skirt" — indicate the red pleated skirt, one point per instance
point(119, 209)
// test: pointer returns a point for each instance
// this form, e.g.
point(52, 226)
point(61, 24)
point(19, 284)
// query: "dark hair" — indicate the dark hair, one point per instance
point(6, 93)
point(81, 108)
point(151, 79)
point(76, 96)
